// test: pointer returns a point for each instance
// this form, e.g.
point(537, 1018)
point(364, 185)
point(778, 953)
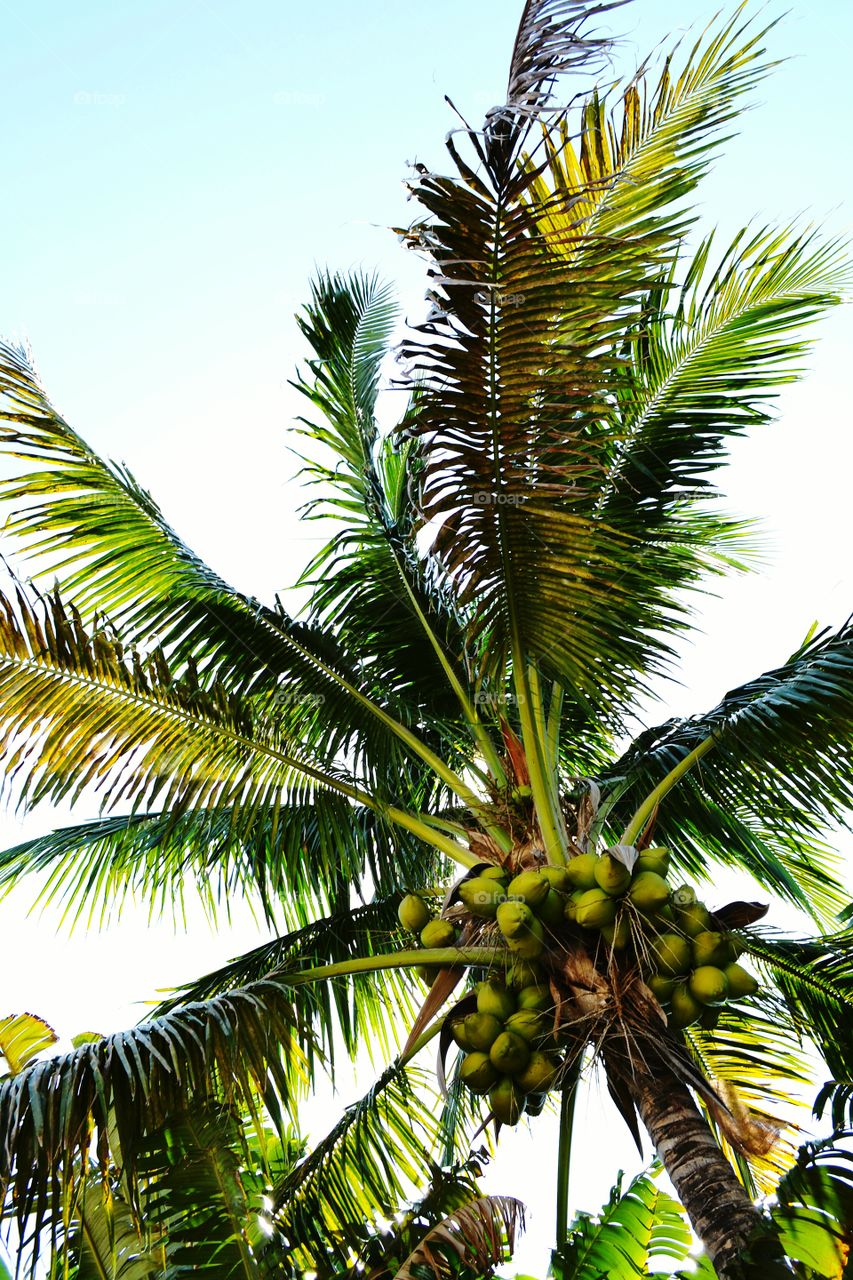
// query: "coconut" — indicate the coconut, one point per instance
point(672, 953)
point(506, 1101)
point(570, 910)
point(524, 973)
point(536, 997)
point(514, 918)
point(581, 870)
point(684, 895)
point(693, 918)
point(526, 1023)
point(491, 872)
point(494, 998)
point(661, 987)
point(509, 1053)
point(734, 947)
point(557, 877)
point(481, 1030)
point(710, 948)
point(530, 886)
point(740, 980)
point(648, 892)
point(686, 1009)
point(478, 1073)
point(550, 910)
point(709, 985)
point(482, 896)
point(617, 935)
point(539, 1074)
point(530, 943)
point(427, 973)
point(522, 792)
point(438, 933)
point(656, 860)
point(595, 908)
point(611, 875)
point(413, 913)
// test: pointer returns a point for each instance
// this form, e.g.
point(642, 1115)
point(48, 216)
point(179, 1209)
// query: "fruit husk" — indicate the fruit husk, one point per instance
point(514, 918)
point(537, 997)
point(427, 973)
point(539, 1074)
point(482, 896)
point(550, 910)
point(710, 948)
point(611, 875)
point(524, 973)
point(510, 1053)
point(478, 1072)
point(570, 910)
point(685, 1010)
point(506, 1101)
point(672, 953)
point(460, 1035)
point(740, 980)
point(558, 878)
point(581, 870)
point(595, 908)
point(495, 998)
point(530, 886)
point(438, 933)
point(656, 860)
point(481, 1031)
point(526, 1023)
point(694, 918)
point(649, 892)
point(710, 1018)
point(529, 944)
point(617, 935)
point(661, 986)
point(684, 895)
point(413, 913)
point(534, 1103)
point(494, 873)
point(708, 985)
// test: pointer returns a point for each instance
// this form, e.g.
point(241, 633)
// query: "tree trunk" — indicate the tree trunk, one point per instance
point(722, 1214)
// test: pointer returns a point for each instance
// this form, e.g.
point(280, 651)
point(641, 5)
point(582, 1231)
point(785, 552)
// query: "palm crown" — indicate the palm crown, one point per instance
point(509, 571)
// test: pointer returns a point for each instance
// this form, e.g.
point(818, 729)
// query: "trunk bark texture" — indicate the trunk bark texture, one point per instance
point(719, 1208)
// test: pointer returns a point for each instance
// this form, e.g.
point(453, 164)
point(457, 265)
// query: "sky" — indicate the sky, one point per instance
point(175, 172)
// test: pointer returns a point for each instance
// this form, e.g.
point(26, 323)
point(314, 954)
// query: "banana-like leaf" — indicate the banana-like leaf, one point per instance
point(780, 773)
point(23, 1037)
point(368, 1165)
point(107, 1241)
point(636, 1227)
point(476, 1238)
point(120, 1089)
point(813, 1213)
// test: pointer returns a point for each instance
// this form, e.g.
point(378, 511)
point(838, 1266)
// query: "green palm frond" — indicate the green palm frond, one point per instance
point(365, 1008)
point(838, 1096)
point(813, 1211)
point(117, 1090)
point(299, 860)
point(780, 773)
point(636, 1227)
point(367, 1165)
point(105, 1241)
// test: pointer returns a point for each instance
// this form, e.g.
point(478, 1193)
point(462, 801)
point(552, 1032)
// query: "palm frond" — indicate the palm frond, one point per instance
point(365, 1009)
point(23, 1037)
point(117, 1090)
point(105, 1241)
point(636, 1227)
point(780, 773)
point(367, 1165)
point(477, 1237)
point(813, 1213)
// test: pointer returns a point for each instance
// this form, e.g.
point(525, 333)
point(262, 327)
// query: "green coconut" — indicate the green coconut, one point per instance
point(524, 973)
point(709, 985)
point(581, 870)
point(710, 947)
point(530, 943)
point(611, 875)
point(661, 987)
point(526, 1023)
point(438, 933)
point(570, 911)
point(460, 1035)
point(492, 872)
point(427, 973)
point(558, 878)
point(509, 1053)
point(740, 980)
point(539, 1074)
point(693, 918)
point(551, 908)
point(648, 892)
point(478, 1073)
point(684, 895)
point(413, 913)
point(514, 918)
point(672, 953)
point(506, 1101)
point(656, 860)
point(493, 997)
point(536, 997)
point(734, 946)
point(617, 935)
point(685, 1008)
point(481, 1030)
point(595, 908)
point(482, 896)
point(530, 886)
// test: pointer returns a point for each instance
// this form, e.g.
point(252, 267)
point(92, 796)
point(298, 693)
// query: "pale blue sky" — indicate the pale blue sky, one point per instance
point(172, 173)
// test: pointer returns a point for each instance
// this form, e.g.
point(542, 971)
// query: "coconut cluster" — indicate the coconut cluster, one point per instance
point(508, 1044)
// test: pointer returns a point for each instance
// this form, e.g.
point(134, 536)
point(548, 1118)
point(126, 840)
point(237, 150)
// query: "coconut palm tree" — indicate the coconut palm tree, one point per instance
point(449, 723)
